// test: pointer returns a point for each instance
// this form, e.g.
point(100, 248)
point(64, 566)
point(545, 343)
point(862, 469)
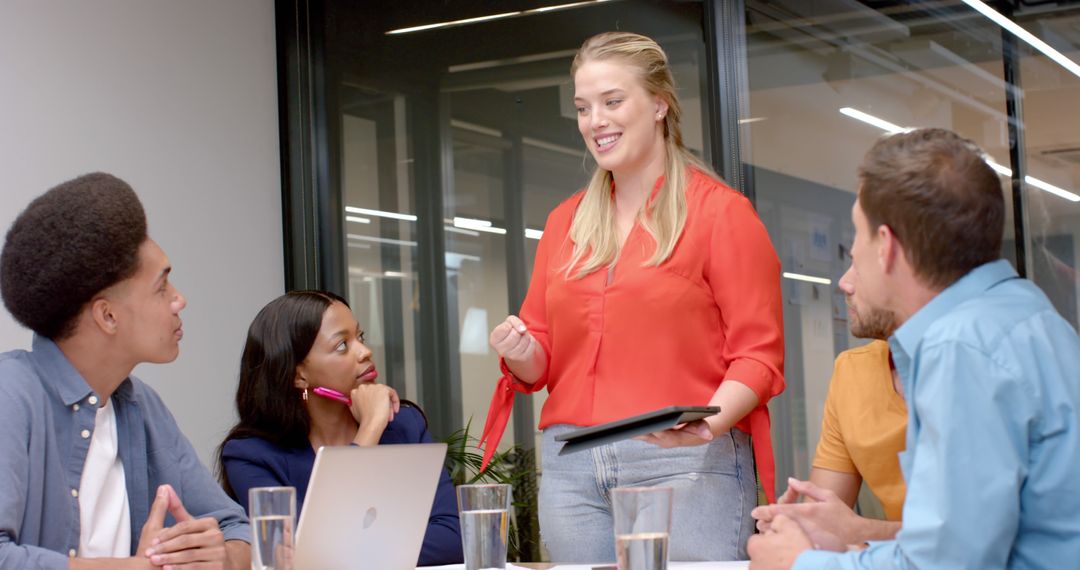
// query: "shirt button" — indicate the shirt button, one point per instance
point(72, 553)
point(85, 433)
point(93, 400)
point(75, 493)
point(75, 408)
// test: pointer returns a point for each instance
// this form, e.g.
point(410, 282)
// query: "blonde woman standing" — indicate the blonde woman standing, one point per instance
point(656, 285)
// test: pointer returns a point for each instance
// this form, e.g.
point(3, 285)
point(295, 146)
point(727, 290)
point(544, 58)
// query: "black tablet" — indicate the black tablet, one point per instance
point(626, 428)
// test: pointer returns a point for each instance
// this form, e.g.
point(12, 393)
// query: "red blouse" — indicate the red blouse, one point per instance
point(657, 336)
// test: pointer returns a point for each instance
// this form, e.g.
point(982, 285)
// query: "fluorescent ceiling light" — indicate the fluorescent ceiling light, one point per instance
point(357, 220)
point(561, 7)
point(1002, 170)
point(872, 120)
point(1025, 35)
point(461, 231)
point(537, 143)
point(533, 234)
point(381, 240)
point(807, 278)
point(466, 21)
point(1041, 185)
point(380, 213)
point(478, 225)
point(452, 23)
point(473, 127)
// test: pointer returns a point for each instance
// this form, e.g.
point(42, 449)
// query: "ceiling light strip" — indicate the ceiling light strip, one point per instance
point(478, 19)
point(872, 120)
point(807, 278)
point(380, 213)
point(453, 23)
point(1002, 170)
point(1014, 28)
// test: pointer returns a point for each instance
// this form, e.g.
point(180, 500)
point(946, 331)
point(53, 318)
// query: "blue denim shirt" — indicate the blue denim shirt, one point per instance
point(992, 377)
point(47, 415)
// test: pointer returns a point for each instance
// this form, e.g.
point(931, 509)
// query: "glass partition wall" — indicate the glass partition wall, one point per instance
point(1049, 150)
point(828, 78)
point(449, 134)
point(425, 143)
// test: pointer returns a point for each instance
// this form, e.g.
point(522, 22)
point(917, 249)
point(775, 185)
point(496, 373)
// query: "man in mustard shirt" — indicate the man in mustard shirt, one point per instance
point(862, 433)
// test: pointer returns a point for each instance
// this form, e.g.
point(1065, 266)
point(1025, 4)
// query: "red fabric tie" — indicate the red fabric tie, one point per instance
point(762, 444)
point(502, 403)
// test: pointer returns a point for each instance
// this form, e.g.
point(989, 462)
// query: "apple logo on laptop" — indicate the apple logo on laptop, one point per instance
point(369, 517)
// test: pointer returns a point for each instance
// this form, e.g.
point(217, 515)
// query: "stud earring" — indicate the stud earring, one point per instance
point(304, 394)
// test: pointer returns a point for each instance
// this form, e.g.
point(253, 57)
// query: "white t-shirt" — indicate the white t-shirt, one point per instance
point(104, 515)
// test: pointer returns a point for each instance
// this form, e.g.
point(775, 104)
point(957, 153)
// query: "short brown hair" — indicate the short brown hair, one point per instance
point(935, 191)
point(67, 246)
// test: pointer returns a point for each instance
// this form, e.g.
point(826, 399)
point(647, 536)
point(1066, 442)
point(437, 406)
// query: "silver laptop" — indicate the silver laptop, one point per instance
point(368, 507)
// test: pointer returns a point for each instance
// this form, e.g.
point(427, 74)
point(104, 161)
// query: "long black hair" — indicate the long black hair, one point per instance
point(267, 401)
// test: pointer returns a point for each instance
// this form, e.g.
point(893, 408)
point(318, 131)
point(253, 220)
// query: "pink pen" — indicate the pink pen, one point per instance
point(333, 395)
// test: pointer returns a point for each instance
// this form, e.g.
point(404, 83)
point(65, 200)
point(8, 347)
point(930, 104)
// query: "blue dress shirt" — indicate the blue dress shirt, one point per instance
point(255, 462)
point(47, 416)
point(992, 377)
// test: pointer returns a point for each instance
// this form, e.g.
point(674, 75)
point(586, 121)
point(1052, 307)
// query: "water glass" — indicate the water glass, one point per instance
point(485, 518)
point(642, 519)
point(273, 517)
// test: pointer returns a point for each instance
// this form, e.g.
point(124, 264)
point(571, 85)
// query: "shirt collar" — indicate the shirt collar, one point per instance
point(906, 338)
point(58, 373)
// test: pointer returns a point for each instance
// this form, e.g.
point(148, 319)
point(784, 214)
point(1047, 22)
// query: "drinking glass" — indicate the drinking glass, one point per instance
point(273, 519)
point(485, 512)
point(642, 517)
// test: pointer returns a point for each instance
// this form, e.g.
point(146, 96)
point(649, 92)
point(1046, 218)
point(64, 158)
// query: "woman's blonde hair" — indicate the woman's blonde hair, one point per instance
point(593, 228)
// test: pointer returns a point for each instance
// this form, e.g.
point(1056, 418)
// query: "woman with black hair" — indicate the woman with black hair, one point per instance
point(300, 342)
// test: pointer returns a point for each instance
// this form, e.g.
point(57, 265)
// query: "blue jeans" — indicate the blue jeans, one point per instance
point(715, 490)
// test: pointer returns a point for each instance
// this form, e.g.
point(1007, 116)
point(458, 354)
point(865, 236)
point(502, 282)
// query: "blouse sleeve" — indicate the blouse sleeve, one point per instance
point(744, 275)
point(534, 309)
point(534, 314)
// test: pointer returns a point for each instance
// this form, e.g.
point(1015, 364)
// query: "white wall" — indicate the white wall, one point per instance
point(178, 98)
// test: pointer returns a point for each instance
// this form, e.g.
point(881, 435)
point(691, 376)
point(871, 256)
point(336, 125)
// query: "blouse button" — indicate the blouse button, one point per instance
point(75, 493)
point(72, 553)
point(85, 433)
point(93, 400)
point(75, 408)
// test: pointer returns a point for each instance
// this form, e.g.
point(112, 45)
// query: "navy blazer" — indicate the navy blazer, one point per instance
point(255, 462)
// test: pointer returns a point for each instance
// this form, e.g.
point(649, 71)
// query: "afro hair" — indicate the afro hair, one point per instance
point(67, 246)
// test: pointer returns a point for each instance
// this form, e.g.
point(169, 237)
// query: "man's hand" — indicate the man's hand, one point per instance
point(790, 496)
point(827, 521)
point(155, 523)
point(683, 435)
point(778, 548)
point(191, 542)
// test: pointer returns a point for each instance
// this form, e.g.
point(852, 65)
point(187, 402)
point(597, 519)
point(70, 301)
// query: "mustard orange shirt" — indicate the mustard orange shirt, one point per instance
point(661, 335)
point(865, 423)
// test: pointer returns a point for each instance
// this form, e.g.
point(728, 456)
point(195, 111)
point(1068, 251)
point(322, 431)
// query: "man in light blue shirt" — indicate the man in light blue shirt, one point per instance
point(990, 371)
point(94, 472)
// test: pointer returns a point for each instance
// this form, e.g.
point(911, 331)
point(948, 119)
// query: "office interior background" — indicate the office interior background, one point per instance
point(406, 154)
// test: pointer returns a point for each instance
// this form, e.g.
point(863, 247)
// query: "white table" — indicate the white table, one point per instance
point(736, 565)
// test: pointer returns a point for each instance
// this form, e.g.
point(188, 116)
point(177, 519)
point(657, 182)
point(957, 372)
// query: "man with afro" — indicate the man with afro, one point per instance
point(94, 471)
